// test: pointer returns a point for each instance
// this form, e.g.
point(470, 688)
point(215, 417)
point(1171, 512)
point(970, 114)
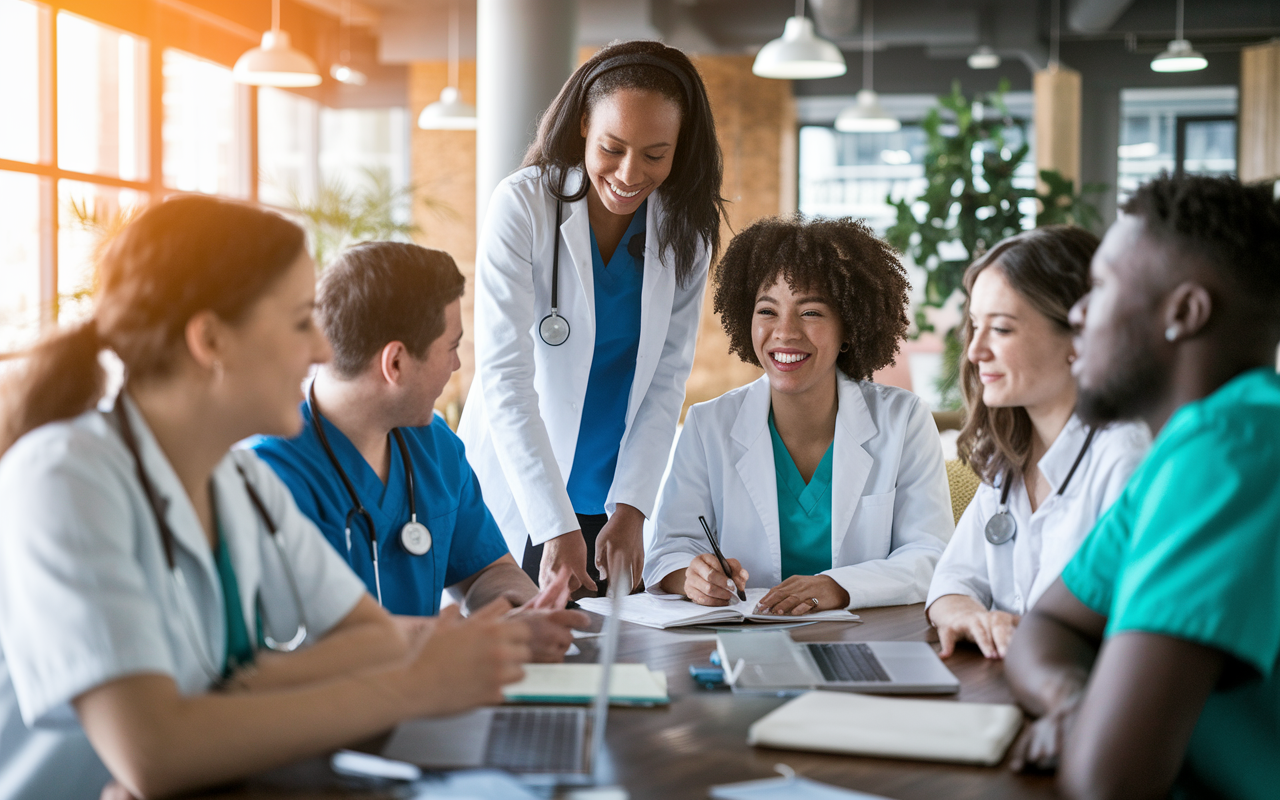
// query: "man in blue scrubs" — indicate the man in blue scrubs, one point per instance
point(373, 457)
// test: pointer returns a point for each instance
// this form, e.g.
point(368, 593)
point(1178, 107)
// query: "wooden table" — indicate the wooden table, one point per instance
point(699, 740)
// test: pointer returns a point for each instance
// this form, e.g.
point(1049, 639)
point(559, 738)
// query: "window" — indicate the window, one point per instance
point(1159, 125)
point(357, 142)
point(288, 153)
point(19, 260)
point(102, 108)
point(204, 113)
point(19, 94)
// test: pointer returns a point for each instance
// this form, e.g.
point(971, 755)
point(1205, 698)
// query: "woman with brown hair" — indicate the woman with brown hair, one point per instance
point(148, 571)
point(1045, 476)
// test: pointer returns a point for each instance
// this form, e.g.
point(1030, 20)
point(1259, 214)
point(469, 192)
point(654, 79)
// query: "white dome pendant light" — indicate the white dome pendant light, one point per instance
point(342, 71)
point(276, 62)
point(799, 54)
point(866, 116)
point(449, 113)
point(1179, 56)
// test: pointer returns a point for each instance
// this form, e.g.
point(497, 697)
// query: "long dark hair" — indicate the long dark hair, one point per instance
point(180, 257)
point(691, 193)
point(1049, 267)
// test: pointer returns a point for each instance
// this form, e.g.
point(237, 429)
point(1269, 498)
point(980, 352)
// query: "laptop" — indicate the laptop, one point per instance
point(770, 662)
point(540, 745)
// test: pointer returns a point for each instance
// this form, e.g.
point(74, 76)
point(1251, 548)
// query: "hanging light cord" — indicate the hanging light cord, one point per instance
point(453, 44)
point(275, 16)
point(1179, 26)
point(1054, 34)
point(868, 35)
point(344, 39)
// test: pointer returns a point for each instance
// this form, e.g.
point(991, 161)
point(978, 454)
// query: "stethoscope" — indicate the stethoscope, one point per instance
point(1002, 527)
point(554, 329)
point(414, 536)
point(179, 578)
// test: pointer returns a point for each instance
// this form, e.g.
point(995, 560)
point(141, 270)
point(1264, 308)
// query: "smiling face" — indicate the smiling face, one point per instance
point(1123, 363)
point(1021, 355)
point(796, 335)
point(269, 352)
point(630, 144)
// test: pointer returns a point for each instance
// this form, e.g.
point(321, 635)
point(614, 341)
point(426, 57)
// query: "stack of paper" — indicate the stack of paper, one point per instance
point(929, 730)
point(673, 611)
point(629, 685)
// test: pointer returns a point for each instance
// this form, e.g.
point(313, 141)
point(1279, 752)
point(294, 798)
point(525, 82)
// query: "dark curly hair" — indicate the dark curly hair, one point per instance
point(857, 272)
point(691, 193)
point(1233, 226)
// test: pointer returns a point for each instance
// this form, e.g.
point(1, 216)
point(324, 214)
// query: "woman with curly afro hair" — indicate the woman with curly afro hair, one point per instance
point(825, 490)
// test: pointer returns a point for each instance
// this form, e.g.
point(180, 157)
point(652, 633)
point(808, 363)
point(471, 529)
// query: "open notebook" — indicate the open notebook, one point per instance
point(674, 611)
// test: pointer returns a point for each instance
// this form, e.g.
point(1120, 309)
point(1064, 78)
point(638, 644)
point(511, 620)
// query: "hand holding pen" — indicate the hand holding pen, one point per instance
point(713, 580)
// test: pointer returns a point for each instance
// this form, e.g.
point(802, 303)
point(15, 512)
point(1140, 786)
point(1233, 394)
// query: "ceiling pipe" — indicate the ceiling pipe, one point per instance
point(1095, 16)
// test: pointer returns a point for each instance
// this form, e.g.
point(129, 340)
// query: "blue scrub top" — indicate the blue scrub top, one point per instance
point(464, 536)
point(613, 369)
point(804, 511)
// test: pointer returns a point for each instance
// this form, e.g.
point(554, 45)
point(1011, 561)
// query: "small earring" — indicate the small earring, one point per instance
point(1071, 358)
point(1171, 333)
point(844, 347)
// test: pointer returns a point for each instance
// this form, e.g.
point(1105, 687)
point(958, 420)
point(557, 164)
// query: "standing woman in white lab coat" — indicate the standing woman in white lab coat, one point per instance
point(822, 487)
point(590, 273)
point(148, 572)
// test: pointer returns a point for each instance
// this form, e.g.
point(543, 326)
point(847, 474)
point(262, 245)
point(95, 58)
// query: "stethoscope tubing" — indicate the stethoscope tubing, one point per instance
point(1003, 508)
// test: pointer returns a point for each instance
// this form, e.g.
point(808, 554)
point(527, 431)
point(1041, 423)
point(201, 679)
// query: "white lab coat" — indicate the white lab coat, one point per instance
point(1012, 576)
point(86, 596)
point(891, 506)
point(522, 416)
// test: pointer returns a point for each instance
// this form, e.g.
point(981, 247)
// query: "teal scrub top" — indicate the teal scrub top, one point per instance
point(239, 646)
point(804, 511)
point(1191, 550)
point(618, 285)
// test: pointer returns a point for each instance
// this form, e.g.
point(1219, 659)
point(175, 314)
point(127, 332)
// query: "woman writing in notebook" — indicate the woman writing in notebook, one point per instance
point(1046, 477)
point(823, 487)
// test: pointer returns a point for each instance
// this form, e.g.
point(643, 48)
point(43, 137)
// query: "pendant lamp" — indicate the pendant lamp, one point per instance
point(1179, 55)
point(343, 72)
point(449, 112)
point(866, 116)
point(984, 58)
point(799, 54)
point(276, 62)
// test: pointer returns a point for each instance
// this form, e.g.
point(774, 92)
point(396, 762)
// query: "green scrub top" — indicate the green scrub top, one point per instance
point(239, 646)
point(1191, 550)
point(804, 511)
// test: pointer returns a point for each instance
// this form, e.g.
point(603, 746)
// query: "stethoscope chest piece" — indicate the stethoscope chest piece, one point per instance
point(1000, 528)
point(554, 329)
point(415, 538)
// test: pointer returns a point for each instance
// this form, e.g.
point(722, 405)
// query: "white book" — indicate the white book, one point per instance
point(674, 611)
point(857, 724)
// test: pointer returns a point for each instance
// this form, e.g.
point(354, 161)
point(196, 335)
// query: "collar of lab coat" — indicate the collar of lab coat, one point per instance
point(657, 291)
point(851, 463)
point(233, 511)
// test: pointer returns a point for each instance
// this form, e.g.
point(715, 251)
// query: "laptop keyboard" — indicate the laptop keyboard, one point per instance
point(532, 740)
point(848, 662)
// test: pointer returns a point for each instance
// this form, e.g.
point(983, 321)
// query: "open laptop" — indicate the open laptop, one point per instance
point(541, 745)
point(771, 662)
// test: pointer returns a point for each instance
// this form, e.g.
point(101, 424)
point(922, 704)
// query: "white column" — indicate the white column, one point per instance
point(525, 51)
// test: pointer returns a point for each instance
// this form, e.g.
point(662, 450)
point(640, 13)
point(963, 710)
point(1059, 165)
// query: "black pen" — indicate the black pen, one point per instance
point(724, 565)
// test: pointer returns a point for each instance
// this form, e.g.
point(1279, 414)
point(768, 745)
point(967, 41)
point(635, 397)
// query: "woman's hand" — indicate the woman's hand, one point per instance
point(706, 584)
point(794, 596)
point(466, 662)
point(1039, 746)
point(567, 551)
point(620, 544)
point(961, 618)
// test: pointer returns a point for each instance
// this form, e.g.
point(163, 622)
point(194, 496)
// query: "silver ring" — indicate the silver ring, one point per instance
point(813, 601)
